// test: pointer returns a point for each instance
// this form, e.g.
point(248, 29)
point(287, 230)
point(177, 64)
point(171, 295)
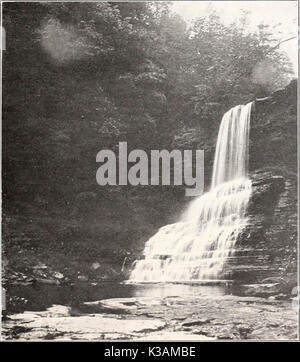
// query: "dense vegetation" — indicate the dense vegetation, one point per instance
point(80, 77)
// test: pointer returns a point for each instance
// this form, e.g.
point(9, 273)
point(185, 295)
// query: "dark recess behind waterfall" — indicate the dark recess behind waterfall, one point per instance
point(53, 210)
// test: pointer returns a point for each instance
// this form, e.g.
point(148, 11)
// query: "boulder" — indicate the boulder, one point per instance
point(261, 290)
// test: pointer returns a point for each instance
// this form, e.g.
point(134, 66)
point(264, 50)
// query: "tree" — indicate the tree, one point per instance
point(79, 77)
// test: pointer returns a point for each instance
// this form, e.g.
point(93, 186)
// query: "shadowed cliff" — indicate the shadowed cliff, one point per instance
point(268, 246)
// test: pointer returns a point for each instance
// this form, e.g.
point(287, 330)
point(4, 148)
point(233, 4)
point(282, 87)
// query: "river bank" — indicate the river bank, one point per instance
point(151, 312)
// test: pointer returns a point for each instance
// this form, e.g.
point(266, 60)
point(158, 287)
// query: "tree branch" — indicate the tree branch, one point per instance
point(282, 41)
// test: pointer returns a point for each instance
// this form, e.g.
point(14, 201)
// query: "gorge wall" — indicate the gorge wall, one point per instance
point(268, 246)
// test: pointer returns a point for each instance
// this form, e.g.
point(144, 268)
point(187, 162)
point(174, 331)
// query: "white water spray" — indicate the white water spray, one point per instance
point(198, 247)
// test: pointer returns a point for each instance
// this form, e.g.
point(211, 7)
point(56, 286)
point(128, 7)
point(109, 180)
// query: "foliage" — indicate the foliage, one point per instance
point(79, 77)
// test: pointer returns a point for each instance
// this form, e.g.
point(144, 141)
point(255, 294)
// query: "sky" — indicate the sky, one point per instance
point(268, 12)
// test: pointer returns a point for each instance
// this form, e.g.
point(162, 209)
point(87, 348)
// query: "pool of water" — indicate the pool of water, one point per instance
point(40, 297)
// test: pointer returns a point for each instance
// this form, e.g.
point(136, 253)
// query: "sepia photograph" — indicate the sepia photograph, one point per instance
point(149, 172)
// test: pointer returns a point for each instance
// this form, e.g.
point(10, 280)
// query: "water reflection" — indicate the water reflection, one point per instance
point(162, 290)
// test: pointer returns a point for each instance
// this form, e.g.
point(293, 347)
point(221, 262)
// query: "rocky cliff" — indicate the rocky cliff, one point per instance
point(267, 249)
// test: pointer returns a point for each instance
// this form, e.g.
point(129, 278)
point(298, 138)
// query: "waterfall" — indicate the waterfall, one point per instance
point(203, 241)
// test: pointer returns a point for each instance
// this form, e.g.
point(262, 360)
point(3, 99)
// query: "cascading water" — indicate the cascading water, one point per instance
point(198, 247)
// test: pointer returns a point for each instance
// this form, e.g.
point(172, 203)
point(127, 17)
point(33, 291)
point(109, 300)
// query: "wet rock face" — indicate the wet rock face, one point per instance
point(273, 133)
point(268, 245)
point(162, 318)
